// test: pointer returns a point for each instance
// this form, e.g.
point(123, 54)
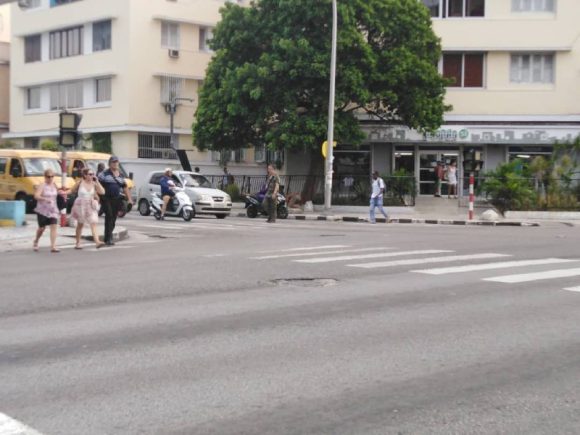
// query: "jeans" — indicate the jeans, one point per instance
point(377, 202)
point(111, 208)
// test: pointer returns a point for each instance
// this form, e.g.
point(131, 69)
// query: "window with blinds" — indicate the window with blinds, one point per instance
point(532, 68)
point(66, 42)
point(66, 95)
point(533, 5)
point(465, 69)
point(171, 87)
point(170, 37)
point(103, 90)
point(33, 98)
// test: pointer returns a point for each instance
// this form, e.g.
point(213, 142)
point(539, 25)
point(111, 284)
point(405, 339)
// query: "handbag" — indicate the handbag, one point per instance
point(60, 202)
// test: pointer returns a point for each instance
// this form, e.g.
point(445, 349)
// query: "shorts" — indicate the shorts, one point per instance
point(44, 221)
point(171, 194)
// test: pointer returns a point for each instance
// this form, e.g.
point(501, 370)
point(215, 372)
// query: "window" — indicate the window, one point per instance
point(33, 4)
point(32, 48)
point(102, 35)
point(455, 8)
point(54, 3)
point(533, 5)
point(532, 68)
point(170, 35)
point(103, 90)
point(3, 162)
point(205, 34)
point(66, 43)
point(466, 69)
point(170, 88)
point(33, 98)
point(155, 146)
point(67, 95)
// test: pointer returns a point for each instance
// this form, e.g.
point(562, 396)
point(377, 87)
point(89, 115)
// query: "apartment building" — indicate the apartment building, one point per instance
point(119, 63)
point(515, 66)
point(4, 68)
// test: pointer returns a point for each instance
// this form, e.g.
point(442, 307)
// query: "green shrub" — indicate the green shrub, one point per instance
point(49, 145)
point(234, 191)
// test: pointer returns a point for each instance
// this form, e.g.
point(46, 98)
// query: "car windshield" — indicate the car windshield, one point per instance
point(92, 165)
point(36, 167)
point(195, 180)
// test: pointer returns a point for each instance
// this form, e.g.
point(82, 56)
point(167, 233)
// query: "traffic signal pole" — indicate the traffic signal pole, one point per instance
point(471, 194)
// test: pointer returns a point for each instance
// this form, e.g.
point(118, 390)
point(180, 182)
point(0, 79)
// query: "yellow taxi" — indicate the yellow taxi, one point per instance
point(21, 170)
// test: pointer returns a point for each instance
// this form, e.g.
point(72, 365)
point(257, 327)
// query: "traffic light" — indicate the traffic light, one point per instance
point(472, 160)
point(69, 135)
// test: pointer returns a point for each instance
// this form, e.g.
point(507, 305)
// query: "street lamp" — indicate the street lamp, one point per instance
point(171, 108)
point(330, 141)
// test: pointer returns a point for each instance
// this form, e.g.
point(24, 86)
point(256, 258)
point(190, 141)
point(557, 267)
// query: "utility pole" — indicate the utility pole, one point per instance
point(171, 108)
point(330, 141)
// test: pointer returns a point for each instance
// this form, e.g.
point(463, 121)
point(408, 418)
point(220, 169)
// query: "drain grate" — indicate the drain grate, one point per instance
point(305, 282)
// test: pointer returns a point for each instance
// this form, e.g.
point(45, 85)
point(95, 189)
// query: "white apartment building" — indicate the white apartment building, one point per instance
point(516, 90)
point(119, 63)
point(4, 68)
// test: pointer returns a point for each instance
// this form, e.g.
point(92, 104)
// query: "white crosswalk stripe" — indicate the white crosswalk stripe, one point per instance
point(369, 256)
point(535, 276)
point(415, 261)
point(490, 266)
point(573, 289)
point(306, 254)
point(310, 248)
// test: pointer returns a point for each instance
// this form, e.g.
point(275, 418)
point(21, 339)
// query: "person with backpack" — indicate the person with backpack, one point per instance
point(378, 190)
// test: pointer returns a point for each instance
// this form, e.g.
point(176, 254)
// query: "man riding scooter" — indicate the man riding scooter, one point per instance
point(167, 189)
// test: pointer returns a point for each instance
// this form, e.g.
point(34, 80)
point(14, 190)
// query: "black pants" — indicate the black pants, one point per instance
point(271, 207)
point(111, 208)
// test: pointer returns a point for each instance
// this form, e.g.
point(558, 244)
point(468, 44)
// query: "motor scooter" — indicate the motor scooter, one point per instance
point(255, 202)
point(179, 206)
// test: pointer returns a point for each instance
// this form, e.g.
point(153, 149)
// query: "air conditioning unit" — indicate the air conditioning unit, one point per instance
point(173, 53)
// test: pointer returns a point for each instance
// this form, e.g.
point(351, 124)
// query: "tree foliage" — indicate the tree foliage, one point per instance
point(268, 83)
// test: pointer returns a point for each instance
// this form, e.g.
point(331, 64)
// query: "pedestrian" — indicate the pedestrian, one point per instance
point(115, 186)
point(196, 170)
point(439, 175)
point(225, 178)
point(47, 212)
point(452, 179)
point(271, 196)
point(378, 190)
point(100, 168)
point(86, 206)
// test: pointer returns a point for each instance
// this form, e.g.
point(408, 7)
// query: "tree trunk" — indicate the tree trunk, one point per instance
point(315, 176)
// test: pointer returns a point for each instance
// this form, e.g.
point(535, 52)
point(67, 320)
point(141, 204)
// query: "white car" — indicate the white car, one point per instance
point(205, 198)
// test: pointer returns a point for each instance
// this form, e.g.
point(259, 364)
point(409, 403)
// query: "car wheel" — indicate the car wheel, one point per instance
point(282, 212)
point(252, 211)
point(187, 214)
point(220, 216)
point(144, 208)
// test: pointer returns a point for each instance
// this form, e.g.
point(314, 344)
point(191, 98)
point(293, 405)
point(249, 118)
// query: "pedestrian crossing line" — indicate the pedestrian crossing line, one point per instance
point(535, 276)
point(369, 256)
point(310, 248)
point(489, 266)
point(189, 225)
point(414, 261)
point(573, 289)
point(306, 254)
point(10, 426)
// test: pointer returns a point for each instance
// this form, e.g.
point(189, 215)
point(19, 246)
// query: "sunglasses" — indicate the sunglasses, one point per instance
point(90, 175)
point(49, 176)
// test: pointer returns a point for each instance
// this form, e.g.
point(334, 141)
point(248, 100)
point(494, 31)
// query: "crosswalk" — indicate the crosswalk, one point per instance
point(477, 264)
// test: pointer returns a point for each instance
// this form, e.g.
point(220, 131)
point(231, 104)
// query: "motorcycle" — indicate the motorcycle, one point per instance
point(254, 205)
point(179, 206)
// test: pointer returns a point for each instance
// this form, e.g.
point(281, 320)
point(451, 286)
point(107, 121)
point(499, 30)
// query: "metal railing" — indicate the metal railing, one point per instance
point(346, 190)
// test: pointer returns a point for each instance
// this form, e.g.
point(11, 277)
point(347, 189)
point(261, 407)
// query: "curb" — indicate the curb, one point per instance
point(302, 217)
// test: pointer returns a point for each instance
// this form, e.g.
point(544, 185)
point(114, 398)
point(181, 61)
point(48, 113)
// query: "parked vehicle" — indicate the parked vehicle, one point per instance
point(254, 205)
point(179, 206)
point(206, 200)
point(21, 170)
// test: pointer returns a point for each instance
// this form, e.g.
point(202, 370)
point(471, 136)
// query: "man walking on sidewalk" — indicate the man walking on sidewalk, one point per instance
point(271, 198)
point(378, 191)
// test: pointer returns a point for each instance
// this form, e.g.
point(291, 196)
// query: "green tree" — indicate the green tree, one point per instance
point(49, 145)
point(268, 83)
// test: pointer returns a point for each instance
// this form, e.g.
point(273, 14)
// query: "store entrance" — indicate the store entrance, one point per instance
point(427, 163)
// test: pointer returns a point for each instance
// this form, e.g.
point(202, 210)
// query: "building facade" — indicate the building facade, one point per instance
point(516, 90)
point(119, 63)
point(4, 68)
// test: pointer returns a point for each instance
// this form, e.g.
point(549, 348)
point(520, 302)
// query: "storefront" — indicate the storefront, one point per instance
point(395, 148)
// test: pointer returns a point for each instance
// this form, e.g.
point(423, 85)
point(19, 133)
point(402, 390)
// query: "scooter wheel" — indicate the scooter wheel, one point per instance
point(157, 215)
point(187, 215)
point(252, 211)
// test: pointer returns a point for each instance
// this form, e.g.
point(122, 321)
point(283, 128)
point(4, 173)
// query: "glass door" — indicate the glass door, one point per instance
point(427, 164)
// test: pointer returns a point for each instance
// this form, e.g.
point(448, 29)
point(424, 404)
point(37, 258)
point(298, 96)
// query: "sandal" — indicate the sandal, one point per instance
point(78, 247)
point(54, 250)
point(100, 245)
point(35, 246)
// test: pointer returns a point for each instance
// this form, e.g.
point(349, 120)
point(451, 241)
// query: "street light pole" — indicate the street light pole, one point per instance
point(172, 110)
point(330, 141)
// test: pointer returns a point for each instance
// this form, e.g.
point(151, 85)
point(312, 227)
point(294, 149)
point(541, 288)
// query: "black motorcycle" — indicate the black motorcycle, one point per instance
point(254, 206)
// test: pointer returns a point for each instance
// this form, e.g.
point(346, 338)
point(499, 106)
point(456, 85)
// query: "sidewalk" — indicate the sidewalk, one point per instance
point(18, 237)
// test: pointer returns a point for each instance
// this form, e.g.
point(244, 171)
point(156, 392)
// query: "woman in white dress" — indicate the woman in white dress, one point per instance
point(86, 207)
point(452, 180)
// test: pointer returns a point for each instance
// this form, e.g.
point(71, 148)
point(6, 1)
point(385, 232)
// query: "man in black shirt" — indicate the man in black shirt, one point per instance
point(115, 185)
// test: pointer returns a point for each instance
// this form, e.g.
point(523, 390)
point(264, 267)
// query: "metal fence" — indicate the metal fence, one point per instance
point(348, 190)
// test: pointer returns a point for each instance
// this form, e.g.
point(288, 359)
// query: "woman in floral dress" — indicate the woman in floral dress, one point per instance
point(47, 211)
point(86, 207)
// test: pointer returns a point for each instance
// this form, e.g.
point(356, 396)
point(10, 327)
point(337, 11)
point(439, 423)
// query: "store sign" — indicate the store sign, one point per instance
point(447, 135)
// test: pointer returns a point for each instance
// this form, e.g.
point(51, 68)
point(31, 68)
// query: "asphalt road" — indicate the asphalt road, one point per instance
point(240, 327)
